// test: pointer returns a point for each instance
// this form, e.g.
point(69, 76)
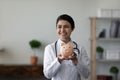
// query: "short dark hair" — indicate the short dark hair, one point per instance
point(67, 18)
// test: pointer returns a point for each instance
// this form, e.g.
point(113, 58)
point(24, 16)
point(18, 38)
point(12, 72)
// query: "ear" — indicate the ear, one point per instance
point(62, 43)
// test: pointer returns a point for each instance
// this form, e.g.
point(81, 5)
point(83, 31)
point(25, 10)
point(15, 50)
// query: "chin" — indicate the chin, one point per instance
point(64, 40)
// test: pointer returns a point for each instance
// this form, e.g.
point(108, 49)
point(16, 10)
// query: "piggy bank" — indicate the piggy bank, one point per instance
point(66, 49)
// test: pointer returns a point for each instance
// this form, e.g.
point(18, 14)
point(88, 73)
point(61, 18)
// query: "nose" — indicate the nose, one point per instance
point(62, 29)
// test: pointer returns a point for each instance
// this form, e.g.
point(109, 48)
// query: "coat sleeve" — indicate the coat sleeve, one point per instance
point(83, 63)
point(51, 64)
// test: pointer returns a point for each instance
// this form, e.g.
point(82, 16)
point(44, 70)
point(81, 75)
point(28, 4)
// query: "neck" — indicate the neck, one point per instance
point(66, 41)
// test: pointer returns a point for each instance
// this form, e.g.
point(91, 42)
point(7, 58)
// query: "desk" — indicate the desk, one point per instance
point(22, 71)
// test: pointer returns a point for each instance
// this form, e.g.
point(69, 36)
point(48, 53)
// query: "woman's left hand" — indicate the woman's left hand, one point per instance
point(73, 57)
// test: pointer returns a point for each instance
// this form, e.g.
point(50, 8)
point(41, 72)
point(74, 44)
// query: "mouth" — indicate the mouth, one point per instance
point(63, 34)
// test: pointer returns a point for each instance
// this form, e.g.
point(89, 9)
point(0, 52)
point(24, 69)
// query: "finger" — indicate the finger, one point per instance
point(75, 54)
point(70, 57)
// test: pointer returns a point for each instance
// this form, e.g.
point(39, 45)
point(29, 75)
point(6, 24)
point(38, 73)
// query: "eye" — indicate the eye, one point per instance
point(66, 26)
point(59, 26)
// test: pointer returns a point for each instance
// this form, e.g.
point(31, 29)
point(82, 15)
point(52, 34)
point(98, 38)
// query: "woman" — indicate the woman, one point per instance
point(56, 66)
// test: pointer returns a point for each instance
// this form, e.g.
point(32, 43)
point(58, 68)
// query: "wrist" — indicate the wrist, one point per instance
point(60, 60)
point(75, 60)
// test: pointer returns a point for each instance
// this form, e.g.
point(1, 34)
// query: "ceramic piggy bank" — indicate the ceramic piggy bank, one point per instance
point(66, 49)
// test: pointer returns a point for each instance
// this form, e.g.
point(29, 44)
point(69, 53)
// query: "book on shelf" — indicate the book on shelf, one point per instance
point(113, 54)
point(104, 77)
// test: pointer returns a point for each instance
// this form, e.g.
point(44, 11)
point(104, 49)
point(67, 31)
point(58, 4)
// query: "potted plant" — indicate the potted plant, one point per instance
point(114, 70)
point(99, 51)
point(35, 45)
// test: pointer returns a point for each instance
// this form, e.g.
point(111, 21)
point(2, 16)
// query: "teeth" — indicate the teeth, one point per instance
point(63, 34)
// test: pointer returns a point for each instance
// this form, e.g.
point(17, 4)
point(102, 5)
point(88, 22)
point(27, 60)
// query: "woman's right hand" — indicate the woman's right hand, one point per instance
point(60, 58)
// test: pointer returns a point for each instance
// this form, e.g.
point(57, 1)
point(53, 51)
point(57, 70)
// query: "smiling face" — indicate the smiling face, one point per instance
point(64, 30)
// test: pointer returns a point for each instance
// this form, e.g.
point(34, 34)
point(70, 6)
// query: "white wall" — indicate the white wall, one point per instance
point(23, 20)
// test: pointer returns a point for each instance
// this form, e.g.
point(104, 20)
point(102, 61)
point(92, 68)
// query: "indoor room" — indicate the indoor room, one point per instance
point(28, 26)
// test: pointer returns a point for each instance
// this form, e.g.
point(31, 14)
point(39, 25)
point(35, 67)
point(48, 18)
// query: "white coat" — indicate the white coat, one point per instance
point(66, 70)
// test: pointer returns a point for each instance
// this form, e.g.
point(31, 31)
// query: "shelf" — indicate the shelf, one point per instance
point(108, 39)
point(101, 66)
point(104, 60)
point(105, 18)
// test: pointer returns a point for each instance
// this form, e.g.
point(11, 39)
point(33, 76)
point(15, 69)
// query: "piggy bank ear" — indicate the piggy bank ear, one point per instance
point(62, 43)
